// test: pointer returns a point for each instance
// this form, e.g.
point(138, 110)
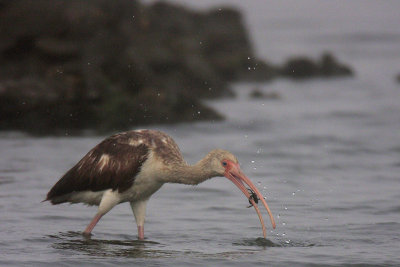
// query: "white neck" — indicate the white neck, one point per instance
point(192, 174)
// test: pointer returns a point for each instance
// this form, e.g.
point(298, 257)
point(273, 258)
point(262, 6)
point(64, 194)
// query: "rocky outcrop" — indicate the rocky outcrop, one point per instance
point(107, 65)
point(110, 65)
point(326, 66)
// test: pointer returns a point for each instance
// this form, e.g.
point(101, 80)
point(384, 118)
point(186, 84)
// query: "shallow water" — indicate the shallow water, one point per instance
point(326, 156)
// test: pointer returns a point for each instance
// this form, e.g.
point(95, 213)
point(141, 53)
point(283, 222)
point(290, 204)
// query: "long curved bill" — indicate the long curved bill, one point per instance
point(239, 179)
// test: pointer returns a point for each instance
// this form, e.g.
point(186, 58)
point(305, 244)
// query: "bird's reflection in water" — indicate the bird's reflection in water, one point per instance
point(92, 246)
point(123, 247)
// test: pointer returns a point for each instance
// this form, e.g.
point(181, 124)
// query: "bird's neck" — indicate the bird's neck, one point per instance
point(192, 174)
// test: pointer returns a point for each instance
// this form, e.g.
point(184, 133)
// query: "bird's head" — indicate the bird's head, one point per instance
point(224, 163)
point(219, 160)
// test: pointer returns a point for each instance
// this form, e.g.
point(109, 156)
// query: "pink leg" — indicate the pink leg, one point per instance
point(92, 224)
point(140, 232)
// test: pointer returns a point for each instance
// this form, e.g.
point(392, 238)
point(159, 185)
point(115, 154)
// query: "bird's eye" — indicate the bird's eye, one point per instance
point(224, 163)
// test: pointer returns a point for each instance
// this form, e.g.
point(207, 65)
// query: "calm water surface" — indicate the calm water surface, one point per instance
point(326, 156)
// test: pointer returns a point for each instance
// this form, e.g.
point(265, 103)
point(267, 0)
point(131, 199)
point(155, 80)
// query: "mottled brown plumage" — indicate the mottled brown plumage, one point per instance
point(125, 154)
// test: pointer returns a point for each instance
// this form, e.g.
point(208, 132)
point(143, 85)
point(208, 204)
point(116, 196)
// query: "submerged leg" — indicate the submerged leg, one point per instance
point(92, 224)
point(108, 201)
point(139, 211)
point(140, 230)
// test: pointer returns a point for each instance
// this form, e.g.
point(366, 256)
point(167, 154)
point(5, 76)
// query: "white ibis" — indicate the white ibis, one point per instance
point(131, 166)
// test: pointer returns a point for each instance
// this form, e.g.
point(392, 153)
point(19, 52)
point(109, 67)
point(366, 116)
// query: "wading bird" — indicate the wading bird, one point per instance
point(131, 166)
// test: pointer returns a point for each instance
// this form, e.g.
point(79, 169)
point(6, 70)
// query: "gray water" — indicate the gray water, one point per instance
point(326, 156)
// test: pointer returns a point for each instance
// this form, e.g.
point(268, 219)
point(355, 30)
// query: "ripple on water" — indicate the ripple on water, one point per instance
point(6, 180)
point(78, 244)
point(87, 245)
point(256, 242)
point(262, 242)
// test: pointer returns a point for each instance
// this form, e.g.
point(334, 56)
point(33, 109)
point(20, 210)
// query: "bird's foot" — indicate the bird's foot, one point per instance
point(86, 234)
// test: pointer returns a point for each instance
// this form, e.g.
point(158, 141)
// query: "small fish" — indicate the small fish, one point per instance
point(253, 196)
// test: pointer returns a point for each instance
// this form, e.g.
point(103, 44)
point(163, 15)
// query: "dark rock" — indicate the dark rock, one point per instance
point(70, 65)
point(257, 70)
point(303, 67)
point(330, 67)
point(38, 108)
point(300, 67)
point(258, 94)
point(56, 48)
point(150, 107)
point(107, 65)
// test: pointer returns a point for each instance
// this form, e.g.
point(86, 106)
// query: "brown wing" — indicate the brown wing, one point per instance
point(112, 164)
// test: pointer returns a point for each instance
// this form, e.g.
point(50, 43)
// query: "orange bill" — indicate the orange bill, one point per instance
point(234, 174)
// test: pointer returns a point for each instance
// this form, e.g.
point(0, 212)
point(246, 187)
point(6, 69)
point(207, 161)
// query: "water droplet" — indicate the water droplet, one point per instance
point(287, 241)
point(265, 187)
point(249, 68)
point(198, 112)
point(279, 215)
point(283, 234)
point(283, 223)
point(285, 208)
point(248, 57)
point(252, 161)
point(259, 182)
point(293, 193)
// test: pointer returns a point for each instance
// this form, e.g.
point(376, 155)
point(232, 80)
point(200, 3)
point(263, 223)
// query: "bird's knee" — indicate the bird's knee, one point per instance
point(139, 211)
point(109, 200)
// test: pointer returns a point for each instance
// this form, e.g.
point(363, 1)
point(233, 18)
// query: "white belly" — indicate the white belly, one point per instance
point(87, 197)
point(139, 191)
point(146, 183)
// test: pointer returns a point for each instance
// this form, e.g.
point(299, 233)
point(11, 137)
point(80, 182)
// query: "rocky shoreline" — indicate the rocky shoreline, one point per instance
point(69, 65)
